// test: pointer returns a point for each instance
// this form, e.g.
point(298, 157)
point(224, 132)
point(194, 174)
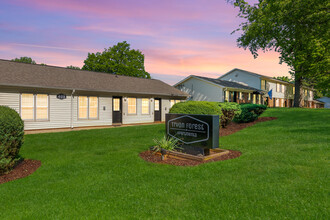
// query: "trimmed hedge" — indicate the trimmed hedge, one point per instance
point(196, 107)
point(250, 112)
point(229, 111)
point(11, 138)
point(226, 111)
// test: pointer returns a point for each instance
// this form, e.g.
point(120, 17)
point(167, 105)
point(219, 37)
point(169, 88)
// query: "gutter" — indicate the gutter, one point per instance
point(71, 122)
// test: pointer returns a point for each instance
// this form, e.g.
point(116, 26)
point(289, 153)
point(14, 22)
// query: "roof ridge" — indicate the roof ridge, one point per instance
point(61, 67)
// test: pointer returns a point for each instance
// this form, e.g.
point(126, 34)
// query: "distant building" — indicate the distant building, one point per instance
point(243, 86)
point(325, 101)
point(48, 97)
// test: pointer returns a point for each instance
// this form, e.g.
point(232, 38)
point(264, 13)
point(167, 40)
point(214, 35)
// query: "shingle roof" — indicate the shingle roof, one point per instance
point(33, 75)
point(230, 84)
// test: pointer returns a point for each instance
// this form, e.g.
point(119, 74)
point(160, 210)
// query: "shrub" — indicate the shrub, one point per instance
point(229, 111)
point(11, 138)
point(250, 112)
point(197, 107)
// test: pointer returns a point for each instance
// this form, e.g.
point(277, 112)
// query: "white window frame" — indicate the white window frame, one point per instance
point(34, 107)
point(148, 113)
point(98, 107)
point(135, 106)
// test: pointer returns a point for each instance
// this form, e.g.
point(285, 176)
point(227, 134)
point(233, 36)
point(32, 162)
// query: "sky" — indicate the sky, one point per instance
point(178, 37)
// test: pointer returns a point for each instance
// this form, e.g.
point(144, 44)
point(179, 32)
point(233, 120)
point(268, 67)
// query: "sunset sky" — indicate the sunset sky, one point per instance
point(178, 38)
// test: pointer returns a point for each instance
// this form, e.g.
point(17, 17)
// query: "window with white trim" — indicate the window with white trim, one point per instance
point(88, 107)
point(42, 107)
point(27, 106)
point(145, 106)
point(34, 107)
point(93, 107)
point(131, 105)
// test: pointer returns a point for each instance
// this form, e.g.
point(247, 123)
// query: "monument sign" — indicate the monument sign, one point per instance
point(197, 133)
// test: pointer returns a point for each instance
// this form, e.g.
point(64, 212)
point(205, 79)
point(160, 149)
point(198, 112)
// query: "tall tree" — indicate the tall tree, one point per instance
point(118, 59)
point(24, 60)
point(297, 29)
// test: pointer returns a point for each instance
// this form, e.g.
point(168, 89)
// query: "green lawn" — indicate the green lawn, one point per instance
point(282, 173)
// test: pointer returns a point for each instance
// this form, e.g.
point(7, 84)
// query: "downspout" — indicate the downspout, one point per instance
point(71, 123)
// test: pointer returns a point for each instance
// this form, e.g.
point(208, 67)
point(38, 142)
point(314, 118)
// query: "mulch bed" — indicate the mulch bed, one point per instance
point(23, 169)
point(230, 129)
point(154, 158)
point(234, 127)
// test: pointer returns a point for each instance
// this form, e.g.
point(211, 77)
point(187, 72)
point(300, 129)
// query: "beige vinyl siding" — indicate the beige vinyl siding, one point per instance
point(138, 117)
point(105, 116)
point(11, 100)
point(59, 115)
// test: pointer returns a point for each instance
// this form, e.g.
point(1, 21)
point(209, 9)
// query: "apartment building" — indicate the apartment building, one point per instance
point(48, 97)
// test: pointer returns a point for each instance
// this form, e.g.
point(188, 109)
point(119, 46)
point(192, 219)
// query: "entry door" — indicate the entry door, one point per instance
point(116, 110)
point(158, 110)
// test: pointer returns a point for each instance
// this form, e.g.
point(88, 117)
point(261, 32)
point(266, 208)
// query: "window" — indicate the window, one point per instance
point(34, 107)
point(27, 106)
point(281, 88)
point(172, 102)
point(311, 94)
point(145, 106)
point(131, 105)
point(83, 107)
point(87, 107)
point(263, 84)
point(157, 105)
point(42, 107)
point(116, 104)
point(93, 107)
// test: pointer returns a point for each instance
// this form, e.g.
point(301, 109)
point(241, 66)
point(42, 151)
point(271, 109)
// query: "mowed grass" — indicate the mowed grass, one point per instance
point(283, 173)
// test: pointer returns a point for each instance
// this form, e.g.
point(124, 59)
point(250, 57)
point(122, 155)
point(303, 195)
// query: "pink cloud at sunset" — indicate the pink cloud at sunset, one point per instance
point(178, 38)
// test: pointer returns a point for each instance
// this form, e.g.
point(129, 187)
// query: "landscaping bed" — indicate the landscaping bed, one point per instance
point(150, 156)
point(23, 169)
point(233, 127)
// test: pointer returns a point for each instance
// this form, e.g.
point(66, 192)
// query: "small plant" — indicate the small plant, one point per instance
point(165, 144)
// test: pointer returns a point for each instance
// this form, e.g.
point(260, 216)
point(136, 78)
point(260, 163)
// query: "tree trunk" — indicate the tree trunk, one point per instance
point(297, 94)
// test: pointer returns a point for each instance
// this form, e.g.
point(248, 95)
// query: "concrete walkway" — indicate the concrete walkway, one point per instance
point(85, 128)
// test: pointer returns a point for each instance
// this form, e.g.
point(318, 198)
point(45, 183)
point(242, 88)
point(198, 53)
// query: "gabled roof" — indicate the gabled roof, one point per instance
point(228, 84)
point(223, 83)
point(254, 74)
point(34, 75)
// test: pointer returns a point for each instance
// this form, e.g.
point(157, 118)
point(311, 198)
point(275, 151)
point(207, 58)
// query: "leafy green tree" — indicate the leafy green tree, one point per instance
point(297, 29)
point(73, 67)
point(24, 60)
point(283, 78)
point(118, 59)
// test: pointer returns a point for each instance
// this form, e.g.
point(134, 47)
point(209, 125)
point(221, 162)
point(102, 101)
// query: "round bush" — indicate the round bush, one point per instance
point(197, 108)
point(11, 138)
point(229, 111)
